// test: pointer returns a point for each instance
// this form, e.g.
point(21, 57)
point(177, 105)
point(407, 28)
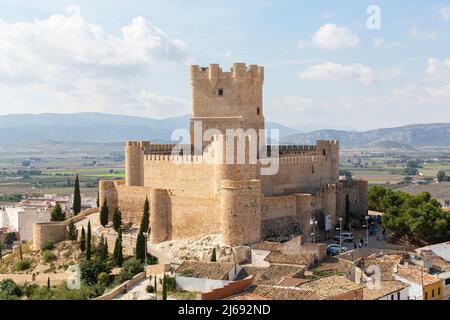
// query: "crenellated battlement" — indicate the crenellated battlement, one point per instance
point(239, 72)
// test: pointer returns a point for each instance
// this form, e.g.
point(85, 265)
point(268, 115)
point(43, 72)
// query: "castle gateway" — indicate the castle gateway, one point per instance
point(191, 196)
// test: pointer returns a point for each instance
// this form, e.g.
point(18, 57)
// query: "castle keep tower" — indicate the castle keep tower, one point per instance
point(227, 100)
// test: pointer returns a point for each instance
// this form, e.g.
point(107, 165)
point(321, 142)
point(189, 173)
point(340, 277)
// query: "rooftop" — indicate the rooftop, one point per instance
point(205, 270)
point(293, 259)
point(281, 293)
point(416, 275)
point(386, 288)
point(330, 287)
point(270, 275)
point(386, 262)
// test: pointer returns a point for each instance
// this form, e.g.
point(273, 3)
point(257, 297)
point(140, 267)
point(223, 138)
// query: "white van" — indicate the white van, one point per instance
point(346, 236)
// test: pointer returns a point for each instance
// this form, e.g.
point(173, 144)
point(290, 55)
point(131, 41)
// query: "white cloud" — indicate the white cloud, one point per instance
point(336, 71)
point(162, 106)
point(331, 37)
point(378, 42)
point(445, 12)
point(66, 63)
point(438, 69)
point(423, 34)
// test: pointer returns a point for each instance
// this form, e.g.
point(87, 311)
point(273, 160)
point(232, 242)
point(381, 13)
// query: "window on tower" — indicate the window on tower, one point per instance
point(220, 92)
point(258, 111)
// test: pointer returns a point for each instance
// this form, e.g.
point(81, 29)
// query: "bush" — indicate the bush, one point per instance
point(103, 279)
point(9, 288)
point(23, 265)
point(48, 256)
point(48, 245)
point(91, 269)
point(150, 289)
point(130, 268)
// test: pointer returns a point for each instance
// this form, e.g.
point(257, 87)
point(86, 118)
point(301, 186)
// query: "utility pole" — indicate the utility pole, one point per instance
point(367, 230)
point(340, 235)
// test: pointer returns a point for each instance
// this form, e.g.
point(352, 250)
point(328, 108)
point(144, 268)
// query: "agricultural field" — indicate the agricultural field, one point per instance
point(391, 169)
point(51, 167)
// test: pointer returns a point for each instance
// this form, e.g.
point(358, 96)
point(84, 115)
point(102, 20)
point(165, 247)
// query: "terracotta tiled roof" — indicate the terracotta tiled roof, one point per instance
point(206, 270)
point(247, 296)
point(416, 275)
point(279, 293)
point(387, 264)
point(292, 282)
point(330, 287)
point(386, 288)
point(269, 246)
point(271, 275)
point(294, 259)
point(334, 264)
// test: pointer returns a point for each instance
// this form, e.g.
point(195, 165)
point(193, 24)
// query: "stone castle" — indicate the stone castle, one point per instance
point(192, 197)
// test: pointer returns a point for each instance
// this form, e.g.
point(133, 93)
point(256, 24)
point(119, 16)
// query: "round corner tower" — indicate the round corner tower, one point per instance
point(134, 162)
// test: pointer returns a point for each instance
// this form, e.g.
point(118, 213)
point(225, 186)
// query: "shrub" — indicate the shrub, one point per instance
point(91, 269)
point(103, 279)
point(48, 256)
point(48, 245)
point(23, 265)
point(130, 268)
point(9, 288)
point(150, 289)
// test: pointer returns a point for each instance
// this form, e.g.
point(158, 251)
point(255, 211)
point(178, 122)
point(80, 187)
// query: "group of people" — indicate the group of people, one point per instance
point(360, 244)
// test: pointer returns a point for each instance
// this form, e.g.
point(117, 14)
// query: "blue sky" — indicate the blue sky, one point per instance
point(324, 67)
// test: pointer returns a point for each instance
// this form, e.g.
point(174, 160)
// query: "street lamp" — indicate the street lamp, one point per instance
point(314, 224)
point(340, 235)
point(145, 234)
point(367, 230)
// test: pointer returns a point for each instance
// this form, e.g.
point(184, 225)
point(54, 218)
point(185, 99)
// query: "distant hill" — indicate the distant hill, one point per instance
point(392, 145)
point(418, 135)
point(95, 127)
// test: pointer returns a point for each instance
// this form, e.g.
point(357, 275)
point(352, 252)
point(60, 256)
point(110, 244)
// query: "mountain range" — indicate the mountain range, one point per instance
point(102, 127)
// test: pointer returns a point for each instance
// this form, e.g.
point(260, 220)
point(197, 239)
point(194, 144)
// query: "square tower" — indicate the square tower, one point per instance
point(227, 100)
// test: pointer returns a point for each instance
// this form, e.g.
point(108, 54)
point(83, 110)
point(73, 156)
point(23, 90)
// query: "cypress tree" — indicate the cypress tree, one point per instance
point(76, 197)
point(140, 247)
point(83, 240)
point(48, 283)
point(71, 231)
point(102, 250)
point(98, 199)
point(164, 288)
point(117, 220)
point(145, 221)
point(20, 253)
point(104, 214)
point(213, 257)
point(88, 242)
point(1, 254)
point(118, 254)
point(156, 287)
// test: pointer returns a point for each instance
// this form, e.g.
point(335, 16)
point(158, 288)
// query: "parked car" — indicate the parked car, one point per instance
point(333, 249)
point(346, 237)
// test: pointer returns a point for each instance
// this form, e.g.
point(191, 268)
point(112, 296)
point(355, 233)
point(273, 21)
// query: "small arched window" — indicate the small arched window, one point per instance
point(258, 111)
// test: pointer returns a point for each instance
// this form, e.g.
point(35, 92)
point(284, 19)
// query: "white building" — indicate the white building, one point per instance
point(21, 220)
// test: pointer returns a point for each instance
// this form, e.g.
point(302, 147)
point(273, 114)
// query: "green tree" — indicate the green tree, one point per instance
point(164, 287)
point(83, 240)
point(102, 250)
point(104, 214)
point(440, 176)
point(118, 250)
point(91, 269)
point(117, 220)
point(145, 220)
point(213, 256)
point(76, 197)
point(57, 213)
point(10, 288)
point(20, 253)
point(71, 231)
point(98, 199)
point(130, 268)
point(140, 247)
point(89, 242)
point(48, 284)
point(1, 253)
